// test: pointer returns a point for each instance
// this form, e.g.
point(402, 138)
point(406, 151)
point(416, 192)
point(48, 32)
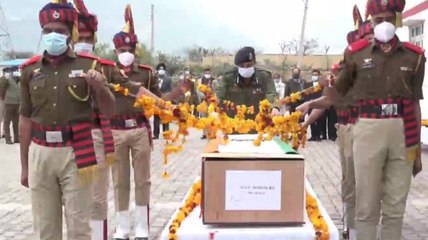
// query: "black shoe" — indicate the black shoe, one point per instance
point(318, 139)
point(155, 138)
point(9, 142)
point(333, 139)
point(16, 141)
point(345, 234)
point(141, 238)
point(121, 238)
point(312, 139)
point(204, 137)
point(323, 137)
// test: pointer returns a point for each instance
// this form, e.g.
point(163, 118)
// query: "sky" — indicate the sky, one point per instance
point(180, 24)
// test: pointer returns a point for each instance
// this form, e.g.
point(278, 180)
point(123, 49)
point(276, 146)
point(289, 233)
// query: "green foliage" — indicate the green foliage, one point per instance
point(104, 51)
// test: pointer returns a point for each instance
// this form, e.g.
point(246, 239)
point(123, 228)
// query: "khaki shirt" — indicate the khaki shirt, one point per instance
point(11, 89)
point(375, 75)
point(141, 77)
point(233, 88)
point(56, 95)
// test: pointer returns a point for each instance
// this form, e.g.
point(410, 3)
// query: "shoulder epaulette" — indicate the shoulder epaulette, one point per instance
point(86, 55)
point(414, 48)
point(147, 67)
point(358, 45)
point(106, 62)
point(31, 61)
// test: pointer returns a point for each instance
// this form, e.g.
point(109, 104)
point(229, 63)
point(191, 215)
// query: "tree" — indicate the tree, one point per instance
point(173, 64)
point(144, 55)
point(309, 46)
point(104, 51)
point(195, 53)
point(326, 49)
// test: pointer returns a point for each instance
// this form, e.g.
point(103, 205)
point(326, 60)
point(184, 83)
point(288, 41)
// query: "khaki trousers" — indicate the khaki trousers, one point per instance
point(54, 182)
point(136, 142)
point(344, 140)
point(383, 176)
point(11, 115)
point(101, 184)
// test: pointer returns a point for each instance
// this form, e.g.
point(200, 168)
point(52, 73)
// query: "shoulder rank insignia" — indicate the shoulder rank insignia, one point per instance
point(106, 62)
point(414, 48)
point(31, 61)
point(86, 55)
point(147, 67)
point(358, 45)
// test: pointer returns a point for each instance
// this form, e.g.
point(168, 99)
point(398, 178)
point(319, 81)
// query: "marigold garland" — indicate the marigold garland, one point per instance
point(424, 122)
point(266, 125)
point(194, 199)
point(316, 218)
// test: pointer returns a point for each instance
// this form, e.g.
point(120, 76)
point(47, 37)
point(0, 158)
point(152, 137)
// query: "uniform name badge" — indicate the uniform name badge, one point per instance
point(76, 74)
point(389, 109)
point(130, 123)
point(54, 137)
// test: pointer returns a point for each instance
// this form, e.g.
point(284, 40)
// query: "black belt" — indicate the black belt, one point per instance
point(120, 123)
point(381, 110)
point(67, 135)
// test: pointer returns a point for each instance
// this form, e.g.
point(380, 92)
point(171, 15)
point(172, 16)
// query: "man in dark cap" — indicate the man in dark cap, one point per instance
point(58, 158)
point(386, 78)
point(165, 85)
point(246, 84)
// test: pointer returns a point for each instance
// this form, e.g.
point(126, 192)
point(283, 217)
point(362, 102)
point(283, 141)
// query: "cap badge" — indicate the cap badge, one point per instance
point(250, 56)
point(384, 2)
point(56, 15)
point(127, 39)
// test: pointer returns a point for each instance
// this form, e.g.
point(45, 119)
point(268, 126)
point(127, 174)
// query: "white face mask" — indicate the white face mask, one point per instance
point(384, 32)
point(181, 77)
point(84, 48)
point(187, 72)
point(55, 43)
point(207, 75)
point(246, 72)
point(161, 72)
point(314, 78)
point(126, 59)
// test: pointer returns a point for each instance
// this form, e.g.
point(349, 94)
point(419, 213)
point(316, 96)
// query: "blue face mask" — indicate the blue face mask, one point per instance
point(55, 43)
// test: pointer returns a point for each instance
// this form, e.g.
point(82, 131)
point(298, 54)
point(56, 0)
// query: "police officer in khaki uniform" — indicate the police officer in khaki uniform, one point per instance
point(101, 133)
point(10, 94)
point(246, 84)
point(131, 131)
point(347, 113)
point(386, 79)
point(57, 153)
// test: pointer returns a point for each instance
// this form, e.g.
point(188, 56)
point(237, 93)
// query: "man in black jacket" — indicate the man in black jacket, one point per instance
point(165, 86)
point(295, 84)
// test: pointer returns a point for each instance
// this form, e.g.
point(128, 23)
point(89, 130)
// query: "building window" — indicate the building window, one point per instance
point(417, 34)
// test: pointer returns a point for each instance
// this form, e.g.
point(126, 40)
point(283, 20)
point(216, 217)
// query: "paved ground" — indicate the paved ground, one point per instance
point(323, 171)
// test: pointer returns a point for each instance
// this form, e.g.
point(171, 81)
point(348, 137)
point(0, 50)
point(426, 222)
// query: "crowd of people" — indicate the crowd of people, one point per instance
point(72, 124)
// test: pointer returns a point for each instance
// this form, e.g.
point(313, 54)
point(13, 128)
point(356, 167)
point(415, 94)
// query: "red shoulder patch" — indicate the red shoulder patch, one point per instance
point(358, 45)
point(31, 61)
point(86, 55)
point(106, 62)
point(147, 67)
point(414, 48)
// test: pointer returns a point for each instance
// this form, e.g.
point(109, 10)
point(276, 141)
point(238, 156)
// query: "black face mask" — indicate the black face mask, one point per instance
point(296, 76)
